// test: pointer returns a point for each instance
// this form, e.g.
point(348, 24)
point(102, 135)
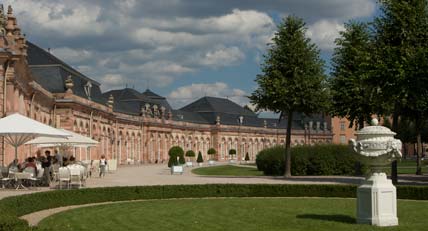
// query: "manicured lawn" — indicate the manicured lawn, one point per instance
point(227, 170)
point(232, 214)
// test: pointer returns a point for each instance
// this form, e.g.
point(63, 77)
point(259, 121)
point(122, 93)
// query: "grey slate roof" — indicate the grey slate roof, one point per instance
point(131, 101)
point(51, 73)
point(217, 105)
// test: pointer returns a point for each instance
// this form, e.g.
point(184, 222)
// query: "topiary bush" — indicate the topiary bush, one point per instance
point(181, 159)
point(190, 154)
point(232, 152)
point(173, 153)
point(199, 159)
point(247, 157)
point(211, 152)
point(312, 160)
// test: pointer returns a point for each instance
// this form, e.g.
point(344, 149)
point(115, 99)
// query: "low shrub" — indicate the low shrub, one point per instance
point(13, 207)
point(312, 160)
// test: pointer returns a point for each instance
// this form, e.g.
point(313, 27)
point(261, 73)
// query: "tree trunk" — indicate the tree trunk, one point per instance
point(288, 146)
point(418, 156)
point(360, 123)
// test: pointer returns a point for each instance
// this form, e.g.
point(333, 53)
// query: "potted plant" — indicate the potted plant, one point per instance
point(200, 160)
point(247, 157)
point(190, 154)
point(174, 153)
point(211, 152)
point(232, 153)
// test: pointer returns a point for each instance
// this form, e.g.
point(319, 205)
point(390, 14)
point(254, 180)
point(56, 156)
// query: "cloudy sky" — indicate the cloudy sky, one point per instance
point(182, 49)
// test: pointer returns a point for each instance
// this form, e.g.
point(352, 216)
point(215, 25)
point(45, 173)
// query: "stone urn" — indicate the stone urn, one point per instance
point(377, 196)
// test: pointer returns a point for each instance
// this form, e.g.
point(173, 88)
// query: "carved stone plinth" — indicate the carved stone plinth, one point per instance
point(377, 196)
point(377, 201)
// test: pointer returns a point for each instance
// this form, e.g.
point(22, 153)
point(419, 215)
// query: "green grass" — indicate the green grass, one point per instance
point(227, 170)
point(231, 214)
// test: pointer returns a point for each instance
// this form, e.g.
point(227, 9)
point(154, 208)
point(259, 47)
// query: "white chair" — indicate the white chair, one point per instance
point(20, 177)
point(64, 176)
point(32, 175)
point(75, 177)
point(55, 170)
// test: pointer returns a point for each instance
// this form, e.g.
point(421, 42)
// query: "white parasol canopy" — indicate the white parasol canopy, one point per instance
point(74, 140)
point(18, 129)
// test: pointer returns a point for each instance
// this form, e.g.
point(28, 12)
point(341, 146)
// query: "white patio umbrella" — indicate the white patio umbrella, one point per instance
point(73, 140)
point(18, 129)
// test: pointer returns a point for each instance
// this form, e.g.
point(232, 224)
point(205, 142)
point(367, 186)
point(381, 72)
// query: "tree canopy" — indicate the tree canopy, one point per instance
point(293, 78)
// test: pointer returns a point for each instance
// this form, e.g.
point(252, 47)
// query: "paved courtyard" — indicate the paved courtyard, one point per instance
point(134, 175)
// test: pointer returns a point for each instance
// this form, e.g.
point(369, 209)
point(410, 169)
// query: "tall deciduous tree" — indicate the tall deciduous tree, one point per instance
point(402, 61)
point(293, 77)
point(351, 91)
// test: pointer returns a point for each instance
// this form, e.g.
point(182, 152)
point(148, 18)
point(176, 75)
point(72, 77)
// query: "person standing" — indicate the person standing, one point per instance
point(58, 156)
point(103, 165)
point(46, 165)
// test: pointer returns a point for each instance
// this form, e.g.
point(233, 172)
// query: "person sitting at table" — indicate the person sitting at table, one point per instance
point(71, 160)
point(14, 165)
point(31, 164)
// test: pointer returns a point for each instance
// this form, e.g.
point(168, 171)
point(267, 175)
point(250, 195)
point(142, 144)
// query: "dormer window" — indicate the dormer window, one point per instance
point(88, 87)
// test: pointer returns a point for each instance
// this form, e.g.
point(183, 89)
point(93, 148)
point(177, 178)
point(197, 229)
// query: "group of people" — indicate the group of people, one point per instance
point(47, 161)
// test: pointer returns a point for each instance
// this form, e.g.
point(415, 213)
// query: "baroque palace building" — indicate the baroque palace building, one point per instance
point(131, 126)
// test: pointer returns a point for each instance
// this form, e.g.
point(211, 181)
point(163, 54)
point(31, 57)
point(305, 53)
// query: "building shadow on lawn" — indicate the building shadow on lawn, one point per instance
point(334, 217)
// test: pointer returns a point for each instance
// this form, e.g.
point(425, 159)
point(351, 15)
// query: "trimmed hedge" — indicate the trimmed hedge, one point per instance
point(311, 161)
point(13, 207)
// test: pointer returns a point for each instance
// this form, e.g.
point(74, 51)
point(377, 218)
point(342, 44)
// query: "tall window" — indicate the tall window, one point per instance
point(342, 126)
point(342, 139)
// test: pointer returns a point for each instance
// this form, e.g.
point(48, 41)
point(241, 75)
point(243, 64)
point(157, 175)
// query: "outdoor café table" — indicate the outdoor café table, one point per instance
point(19, 176)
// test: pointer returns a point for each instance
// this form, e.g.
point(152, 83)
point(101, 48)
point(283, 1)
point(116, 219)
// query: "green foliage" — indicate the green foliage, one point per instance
point(312, 160)
point(190, 153)
point(401, 32)
point(12, 223)
point(232, 152)
point(293, 78)
point(247, 157)
point(211, 152)
point(13, 207)
point(174, 153)
point(351, 91)
point(181, 159)
point(293, 72)
point(199, 159)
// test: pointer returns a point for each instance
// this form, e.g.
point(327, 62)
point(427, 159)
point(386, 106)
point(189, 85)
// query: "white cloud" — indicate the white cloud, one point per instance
point(60, 17)
point(222, 57)
point(72, 55)
point(187, 94)
point(324, 32)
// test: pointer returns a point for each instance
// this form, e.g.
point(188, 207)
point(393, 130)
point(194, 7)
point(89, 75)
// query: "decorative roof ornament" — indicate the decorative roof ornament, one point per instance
point(69, 84)
point(3, 21)
point(88, 87)
point(110, 101)
point(217, 120)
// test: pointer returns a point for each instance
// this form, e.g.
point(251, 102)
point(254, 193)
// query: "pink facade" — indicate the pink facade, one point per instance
point(125, 137)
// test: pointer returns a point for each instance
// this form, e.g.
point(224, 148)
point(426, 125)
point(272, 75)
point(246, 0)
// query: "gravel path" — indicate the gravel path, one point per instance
point(161, 175)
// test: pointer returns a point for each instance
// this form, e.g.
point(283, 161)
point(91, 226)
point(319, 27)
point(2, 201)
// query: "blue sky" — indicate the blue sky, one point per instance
point(181, 49)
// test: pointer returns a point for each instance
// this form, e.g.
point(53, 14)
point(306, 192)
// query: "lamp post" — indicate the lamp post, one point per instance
point(240, 121)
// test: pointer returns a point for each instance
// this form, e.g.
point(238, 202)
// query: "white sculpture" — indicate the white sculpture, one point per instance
point(377, 196)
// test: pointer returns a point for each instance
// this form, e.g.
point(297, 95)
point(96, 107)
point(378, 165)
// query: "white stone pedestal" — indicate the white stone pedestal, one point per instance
point(377, 201)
